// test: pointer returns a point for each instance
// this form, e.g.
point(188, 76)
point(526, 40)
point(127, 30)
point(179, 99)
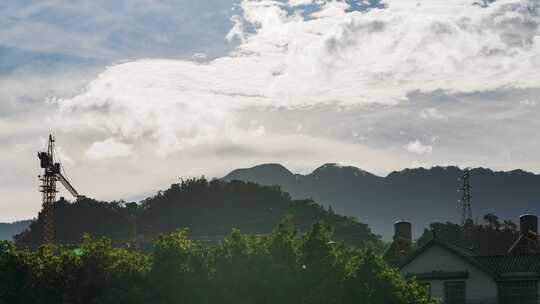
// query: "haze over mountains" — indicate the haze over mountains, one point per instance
point(8, 230)
point(419, 195)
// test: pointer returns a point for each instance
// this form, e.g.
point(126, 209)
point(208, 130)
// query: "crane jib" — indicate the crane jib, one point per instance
point(67, 185)
point(52, 172)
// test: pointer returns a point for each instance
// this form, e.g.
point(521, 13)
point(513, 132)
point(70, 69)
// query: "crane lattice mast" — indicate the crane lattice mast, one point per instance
point(51, 175)
point(466, 210)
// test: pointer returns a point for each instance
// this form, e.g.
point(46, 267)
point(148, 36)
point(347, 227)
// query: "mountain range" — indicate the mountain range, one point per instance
point(419, 195)
point(8, 230)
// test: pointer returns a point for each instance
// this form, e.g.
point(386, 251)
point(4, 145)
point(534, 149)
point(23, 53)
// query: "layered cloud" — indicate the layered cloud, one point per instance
point(419, 148)
point(109, 148)
point(377, 84)
point(330, 56)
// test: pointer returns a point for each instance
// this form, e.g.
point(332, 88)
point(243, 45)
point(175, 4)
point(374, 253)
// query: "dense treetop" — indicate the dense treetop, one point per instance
point(283, 267)
point(492, 237)
point(209, 210)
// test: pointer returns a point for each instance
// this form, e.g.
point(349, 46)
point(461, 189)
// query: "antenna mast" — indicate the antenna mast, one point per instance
point(466, 211)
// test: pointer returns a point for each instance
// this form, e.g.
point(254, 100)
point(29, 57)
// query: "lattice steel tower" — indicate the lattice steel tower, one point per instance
point(466, 210)
point(48, 190)
point(51, 175)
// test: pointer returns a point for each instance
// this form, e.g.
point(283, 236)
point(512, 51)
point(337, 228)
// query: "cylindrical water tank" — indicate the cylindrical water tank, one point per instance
point(528, 222)
point(402, 237)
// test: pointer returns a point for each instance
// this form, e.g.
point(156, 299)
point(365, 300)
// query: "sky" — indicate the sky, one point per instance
point(141, 93)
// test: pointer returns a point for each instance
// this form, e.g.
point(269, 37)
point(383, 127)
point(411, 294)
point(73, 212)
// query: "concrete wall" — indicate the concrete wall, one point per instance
point(480, 287)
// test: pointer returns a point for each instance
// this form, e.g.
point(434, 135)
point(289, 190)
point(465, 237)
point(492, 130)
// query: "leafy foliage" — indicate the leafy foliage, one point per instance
point(282, 267)
point(487, 238)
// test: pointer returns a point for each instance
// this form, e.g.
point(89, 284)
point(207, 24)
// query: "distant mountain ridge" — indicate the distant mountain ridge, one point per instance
point(419, 195)
point(8, 230)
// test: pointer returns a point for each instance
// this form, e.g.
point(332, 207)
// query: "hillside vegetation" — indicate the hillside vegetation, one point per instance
point(209, 210)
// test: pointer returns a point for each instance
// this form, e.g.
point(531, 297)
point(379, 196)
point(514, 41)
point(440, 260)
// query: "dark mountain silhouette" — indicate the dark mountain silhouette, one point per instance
point(209, 209)
point(8, 230)
point(419, 195)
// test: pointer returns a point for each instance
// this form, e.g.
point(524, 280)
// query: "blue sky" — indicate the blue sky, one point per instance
point(142, 92)
point(45, 35)
point(49, 34)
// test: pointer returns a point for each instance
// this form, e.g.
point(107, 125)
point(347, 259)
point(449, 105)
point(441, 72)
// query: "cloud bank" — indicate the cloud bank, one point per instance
point(377, 84)
point(108, 148)
point(290, 59)
point(419, 148)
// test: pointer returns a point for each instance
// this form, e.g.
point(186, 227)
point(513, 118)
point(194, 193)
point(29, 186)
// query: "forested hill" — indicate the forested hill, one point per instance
point(419, 195)
point(208, 209)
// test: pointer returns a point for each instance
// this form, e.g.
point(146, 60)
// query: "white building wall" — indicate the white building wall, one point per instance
point(480, 287)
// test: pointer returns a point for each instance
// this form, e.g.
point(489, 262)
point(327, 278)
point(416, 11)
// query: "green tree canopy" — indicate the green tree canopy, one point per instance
point(282, 267)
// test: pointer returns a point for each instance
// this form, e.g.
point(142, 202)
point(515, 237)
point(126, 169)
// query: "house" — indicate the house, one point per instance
point(457, 275)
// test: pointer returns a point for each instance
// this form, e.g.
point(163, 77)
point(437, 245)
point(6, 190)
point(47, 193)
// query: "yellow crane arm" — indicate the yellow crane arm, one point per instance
point(67, 185)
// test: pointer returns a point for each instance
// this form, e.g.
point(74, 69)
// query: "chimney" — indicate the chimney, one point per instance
point(527, 243)
point(402, 238)
point(528, 225)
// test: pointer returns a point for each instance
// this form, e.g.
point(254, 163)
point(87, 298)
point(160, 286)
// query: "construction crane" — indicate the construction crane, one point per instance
point(51, 175)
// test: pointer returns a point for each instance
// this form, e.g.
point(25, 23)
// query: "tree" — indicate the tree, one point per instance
point(492, 220)
point(241, 269)
point(179, 270)
point(486, 238)
point(205, 207)
point(369, 280)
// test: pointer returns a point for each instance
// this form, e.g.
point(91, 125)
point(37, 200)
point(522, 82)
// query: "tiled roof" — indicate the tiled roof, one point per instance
point(501, 264)
point(495, 266)
point(525, 244)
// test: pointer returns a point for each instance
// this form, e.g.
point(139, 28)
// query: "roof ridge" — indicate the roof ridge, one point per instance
point(447, 242)
point(464, 253)
point(507, 255)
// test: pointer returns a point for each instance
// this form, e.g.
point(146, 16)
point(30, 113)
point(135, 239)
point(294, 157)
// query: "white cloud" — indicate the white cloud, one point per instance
point(528, 103)
point(419, 148)
point(373, 71)
point(330, 9)
point(28, 91)
point(347, 59)
point(109, 148)
point(432, 113)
